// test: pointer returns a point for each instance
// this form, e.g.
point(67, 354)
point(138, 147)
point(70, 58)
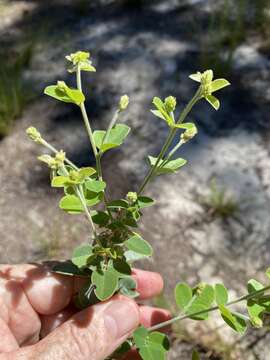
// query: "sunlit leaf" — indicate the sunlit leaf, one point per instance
point(235, 321)
point(213, 101)
point(221, 294)
point(138, 245)
point(81, 254)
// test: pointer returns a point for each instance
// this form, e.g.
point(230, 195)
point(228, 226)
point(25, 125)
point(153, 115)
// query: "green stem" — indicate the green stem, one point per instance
point(91, 138)
point(111, 125)
point(85, 117)
point(171, 153)
point(55, 151)
point(169, 140)
point(214, 308)
point(79, 191)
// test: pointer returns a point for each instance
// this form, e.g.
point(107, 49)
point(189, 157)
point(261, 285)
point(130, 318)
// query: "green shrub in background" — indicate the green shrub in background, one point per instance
point(14, 93)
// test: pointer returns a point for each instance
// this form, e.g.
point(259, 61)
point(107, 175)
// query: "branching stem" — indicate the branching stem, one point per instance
point(183, 316)
point(169, 140)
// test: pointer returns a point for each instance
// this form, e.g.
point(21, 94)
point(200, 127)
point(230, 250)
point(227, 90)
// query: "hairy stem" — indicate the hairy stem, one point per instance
point(169, 140)
point(183, 316)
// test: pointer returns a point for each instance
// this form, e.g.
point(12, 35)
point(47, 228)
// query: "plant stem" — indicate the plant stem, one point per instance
point(171, 153)
point(55, 151)
point(183, 316)
point(91, 138)
point(169, 140)
point(79, 191)
point(85, 117)
point(111, 125)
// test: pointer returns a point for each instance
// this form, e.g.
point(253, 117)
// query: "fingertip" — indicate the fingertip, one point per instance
point(150, 316)
point(149, 283)
point(47, 292)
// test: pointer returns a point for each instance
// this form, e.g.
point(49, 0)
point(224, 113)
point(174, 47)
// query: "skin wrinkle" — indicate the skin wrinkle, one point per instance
point(85, 333)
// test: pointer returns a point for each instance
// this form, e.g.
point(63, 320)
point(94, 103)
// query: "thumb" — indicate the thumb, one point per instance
point(93, 333)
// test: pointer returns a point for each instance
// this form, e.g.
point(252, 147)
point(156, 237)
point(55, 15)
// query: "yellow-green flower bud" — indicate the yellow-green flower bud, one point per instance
point(170, 103)
point(132, 196)
point(123, 103)
point(49, 160)
point(60, 156)
point(78, 56)
point(34, 134)
point(74, 175)
point(80, 59)
point(189, 134)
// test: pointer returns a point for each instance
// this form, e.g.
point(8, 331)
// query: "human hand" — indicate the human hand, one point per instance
point(38, 321)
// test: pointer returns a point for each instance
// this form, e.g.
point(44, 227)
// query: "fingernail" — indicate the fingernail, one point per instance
point(121, 317)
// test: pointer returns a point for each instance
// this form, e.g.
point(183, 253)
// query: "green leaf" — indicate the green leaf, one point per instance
point(255, 312)
point(64, 93)
point(121, 267)
point(254, 285)
point(106, 283)
point(55, 93)
point(67, 268)
point(100, 217)
point(81, 254)
point(71, 204)
point(85, 172)
point(144, 201)
point(127, 287)
point(195, 355)
point(196, 77)
point(171, 166)
point(137, 244)
point(118, 204)
point(115, 138)
point(213, 101)
point(236, 322)
point(219, 84)
point(93, 198)
point(59, 181)
point(152, 346)
point(221, 294)
point(132, 256)
point(95, 185)
point(268, 273)
point(203, 300)
point(183, 295)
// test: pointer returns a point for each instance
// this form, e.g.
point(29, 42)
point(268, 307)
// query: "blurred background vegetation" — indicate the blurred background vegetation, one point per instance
point(215, 214)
